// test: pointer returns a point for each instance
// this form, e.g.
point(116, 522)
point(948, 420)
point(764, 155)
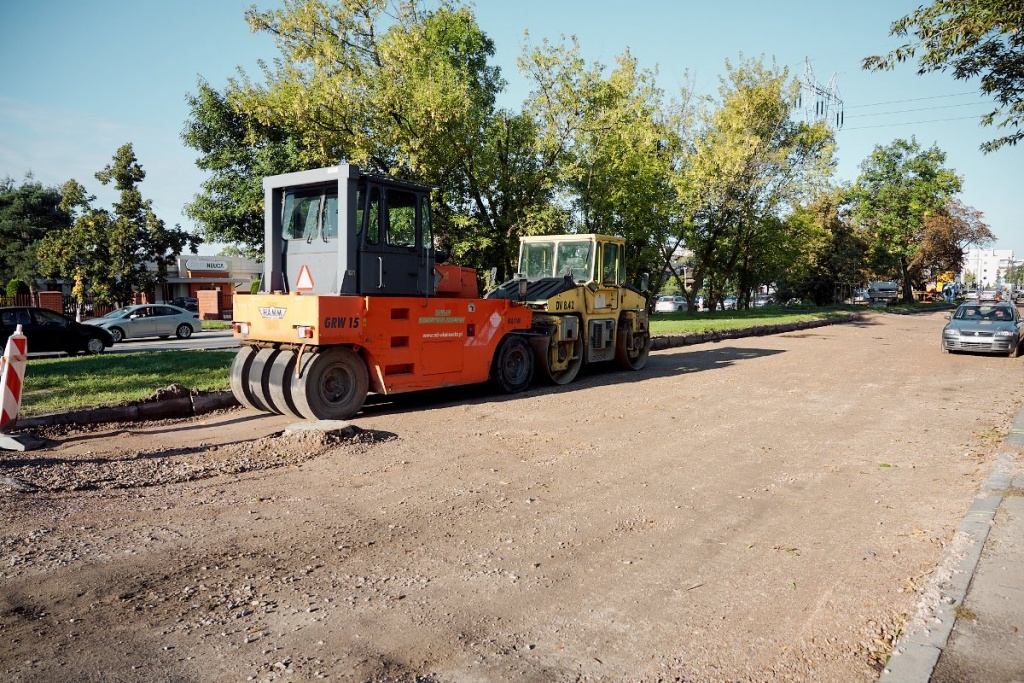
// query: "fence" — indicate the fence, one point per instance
point(68, 304)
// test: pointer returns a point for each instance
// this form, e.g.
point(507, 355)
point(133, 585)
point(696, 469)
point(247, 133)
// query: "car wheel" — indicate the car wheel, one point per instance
point(94, 346)
point(1015, 353)
point(184, 331)
point(117, 334)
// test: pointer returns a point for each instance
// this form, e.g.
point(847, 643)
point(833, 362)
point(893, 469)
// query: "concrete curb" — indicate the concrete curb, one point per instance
point(186, 406)
point(917, 652)
point(197, 404)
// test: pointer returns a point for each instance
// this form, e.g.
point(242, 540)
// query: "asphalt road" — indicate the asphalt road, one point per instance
point(208, 340)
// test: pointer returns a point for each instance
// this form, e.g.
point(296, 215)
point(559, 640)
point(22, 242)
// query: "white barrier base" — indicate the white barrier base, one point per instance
point(20, 442)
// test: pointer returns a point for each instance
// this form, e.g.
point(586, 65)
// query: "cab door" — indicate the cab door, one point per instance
point(395, 254)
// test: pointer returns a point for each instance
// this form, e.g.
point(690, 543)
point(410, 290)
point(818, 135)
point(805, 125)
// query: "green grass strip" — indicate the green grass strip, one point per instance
point(61, 384)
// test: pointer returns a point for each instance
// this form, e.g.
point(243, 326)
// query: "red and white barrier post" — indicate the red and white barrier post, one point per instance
point(14, 360)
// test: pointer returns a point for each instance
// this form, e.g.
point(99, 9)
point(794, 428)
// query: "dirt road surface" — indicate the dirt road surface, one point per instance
point(769, 508)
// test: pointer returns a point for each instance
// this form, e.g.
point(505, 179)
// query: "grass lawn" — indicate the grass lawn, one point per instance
point(60, 384)
point(696, 323)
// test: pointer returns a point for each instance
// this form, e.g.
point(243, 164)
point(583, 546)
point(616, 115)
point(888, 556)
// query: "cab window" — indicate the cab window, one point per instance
point(609, 265)
point(401, 219)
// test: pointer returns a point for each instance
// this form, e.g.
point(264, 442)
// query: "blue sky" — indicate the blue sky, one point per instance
point(81, 79)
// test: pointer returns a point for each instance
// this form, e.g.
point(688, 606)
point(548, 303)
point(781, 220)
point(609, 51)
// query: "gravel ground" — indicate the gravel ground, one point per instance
point(758, 509)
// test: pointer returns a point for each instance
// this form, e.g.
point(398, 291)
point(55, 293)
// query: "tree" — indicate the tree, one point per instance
point(833, 253)
point(972, 38)
point(393, 88)
point(944, 239)
point(606, 141)
point(899, 188)
point(746, 163)
point(114, 253)
point(238, 151)
point(28, 213)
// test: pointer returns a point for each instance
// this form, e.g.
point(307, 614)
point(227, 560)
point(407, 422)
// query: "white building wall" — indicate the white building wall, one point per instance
point(987, 265)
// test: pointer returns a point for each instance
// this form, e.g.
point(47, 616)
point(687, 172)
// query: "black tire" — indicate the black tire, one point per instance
point(94, 346)
point(240, 376)
point(117, 334)
point(1015, 353)
point(513, 365)
point(259, 380)
point(279, 383)
point(184, 331)
point(331, 384)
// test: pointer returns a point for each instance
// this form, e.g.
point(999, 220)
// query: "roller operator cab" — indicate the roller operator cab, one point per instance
point(353, 300)
point(583, 309)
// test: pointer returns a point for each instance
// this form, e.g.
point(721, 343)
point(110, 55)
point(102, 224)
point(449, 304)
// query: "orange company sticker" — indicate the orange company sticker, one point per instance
point(304, 283)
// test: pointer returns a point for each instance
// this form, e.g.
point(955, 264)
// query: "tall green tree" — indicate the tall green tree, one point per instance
point(116, 253)
point(899, 188)
point(389, 85)
point(608, 141)
point(972, 39)
point(833, 262)
point(237, 151)
point(28, 213)
point(747, 161)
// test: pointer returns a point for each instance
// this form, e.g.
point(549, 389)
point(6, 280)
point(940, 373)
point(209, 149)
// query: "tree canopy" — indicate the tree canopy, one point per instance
point(900, 187)
point(736, 182)
point(28, 213)
point(973, 39)
point(109, 252)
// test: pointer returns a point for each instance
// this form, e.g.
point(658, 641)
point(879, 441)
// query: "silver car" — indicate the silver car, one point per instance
point(149, 320)
point(983, 328)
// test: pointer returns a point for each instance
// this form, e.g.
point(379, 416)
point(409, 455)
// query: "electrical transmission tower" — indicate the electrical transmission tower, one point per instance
point(820, 103)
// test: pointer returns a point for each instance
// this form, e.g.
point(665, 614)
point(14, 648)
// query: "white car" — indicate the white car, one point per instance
point(669, 304)
point(149, 320)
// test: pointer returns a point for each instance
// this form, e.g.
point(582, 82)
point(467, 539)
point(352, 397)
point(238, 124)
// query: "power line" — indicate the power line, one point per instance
point(905, 111)
point(916, 99)
point(913, 123)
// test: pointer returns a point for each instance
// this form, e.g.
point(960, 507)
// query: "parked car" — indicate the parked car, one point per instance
point(984, 328)
point(50, 332)
point(189, 303)
point(669, 304)
point(729, 303)
point(762, 300)
point(149, 320)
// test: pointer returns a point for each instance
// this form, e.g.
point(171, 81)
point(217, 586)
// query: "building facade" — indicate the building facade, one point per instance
point(226, 274)
point(986, 267)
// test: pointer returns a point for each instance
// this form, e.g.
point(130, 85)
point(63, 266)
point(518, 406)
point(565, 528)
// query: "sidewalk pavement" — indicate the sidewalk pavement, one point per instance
point(969, 626)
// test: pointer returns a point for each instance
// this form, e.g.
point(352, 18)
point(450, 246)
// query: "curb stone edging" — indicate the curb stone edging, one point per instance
point(197, 404)
point(916, 653)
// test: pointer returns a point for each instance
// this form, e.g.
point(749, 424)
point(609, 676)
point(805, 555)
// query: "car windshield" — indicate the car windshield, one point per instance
point(983, 313)
point(555, 259)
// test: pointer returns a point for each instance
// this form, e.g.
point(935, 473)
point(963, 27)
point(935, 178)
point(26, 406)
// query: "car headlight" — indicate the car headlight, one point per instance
point(1005, 333)
point(950, 333)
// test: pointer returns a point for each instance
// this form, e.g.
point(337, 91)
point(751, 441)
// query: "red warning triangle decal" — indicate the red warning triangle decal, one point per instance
point(305, 281)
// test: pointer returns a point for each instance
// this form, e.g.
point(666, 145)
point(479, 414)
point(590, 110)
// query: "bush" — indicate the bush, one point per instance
point(16, 287)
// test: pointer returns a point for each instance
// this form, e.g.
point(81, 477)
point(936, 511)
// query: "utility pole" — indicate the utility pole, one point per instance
point(820, 103)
